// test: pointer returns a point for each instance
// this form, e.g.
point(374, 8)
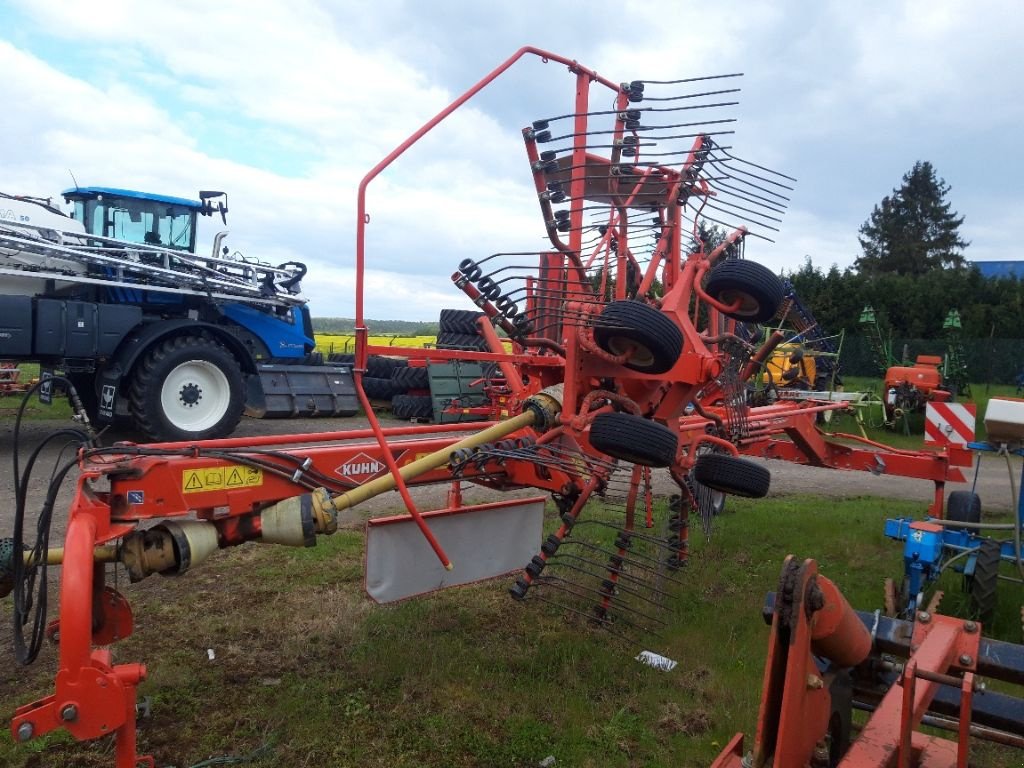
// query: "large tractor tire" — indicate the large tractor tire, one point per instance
point(985, 581)
point(187, 388)
point(731, 474)
point(459, 321)
point(380, 367)
point(633, 438)
point(380, 388)
point(653, 340)
point(412, 407)
point(411, 378)
point(466, 341)
point(758, 289)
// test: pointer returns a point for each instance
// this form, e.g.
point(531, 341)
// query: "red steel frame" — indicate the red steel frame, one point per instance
point(793, 723)
point(94, 697)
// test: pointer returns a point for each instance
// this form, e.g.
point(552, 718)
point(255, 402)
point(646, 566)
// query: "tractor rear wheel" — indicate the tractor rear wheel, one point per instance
point(634, 439)
point(757, 288)
point(983, 585)
point(731, 474)
point(653, 341)
point(187, 388)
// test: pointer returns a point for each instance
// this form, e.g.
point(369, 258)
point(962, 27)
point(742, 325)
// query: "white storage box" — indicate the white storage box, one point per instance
point(1004, 420)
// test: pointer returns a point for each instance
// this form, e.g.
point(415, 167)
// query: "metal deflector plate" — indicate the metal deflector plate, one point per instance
point(482, 541)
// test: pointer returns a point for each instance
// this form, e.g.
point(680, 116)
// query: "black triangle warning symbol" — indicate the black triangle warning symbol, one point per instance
point(194, 483)
point(235, 478)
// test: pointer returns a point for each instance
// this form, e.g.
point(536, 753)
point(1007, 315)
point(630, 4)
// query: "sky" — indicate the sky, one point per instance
point(287, 106)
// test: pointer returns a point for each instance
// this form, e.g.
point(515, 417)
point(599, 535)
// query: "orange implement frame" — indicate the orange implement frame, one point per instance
point(814, 642)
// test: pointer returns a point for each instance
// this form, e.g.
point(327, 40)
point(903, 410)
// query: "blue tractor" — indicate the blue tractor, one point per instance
point(149, 331)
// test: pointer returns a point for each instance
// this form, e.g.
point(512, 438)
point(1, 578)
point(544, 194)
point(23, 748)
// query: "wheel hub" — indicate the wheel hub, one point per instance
point(191, 394)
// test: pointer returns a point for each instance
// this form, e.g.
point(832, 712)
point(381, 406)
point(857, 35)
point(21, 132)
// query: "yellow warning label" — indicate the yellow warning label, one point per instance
point(220, 478)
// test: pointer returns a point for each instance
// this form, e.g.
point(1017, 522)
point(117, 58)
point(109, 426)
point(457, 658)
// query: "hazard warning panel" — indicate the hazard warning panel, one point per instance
point(220, 478)
point(949, 423)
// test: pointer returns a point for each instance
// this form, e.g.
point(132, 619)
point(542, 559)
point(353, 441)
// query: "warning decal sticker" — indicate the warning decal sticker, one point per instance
point(220, 478)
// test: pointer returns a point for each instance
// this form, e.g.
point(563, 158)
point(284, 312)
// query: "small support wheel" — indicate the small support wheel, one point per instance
point(634, 439)
point(731, 474)
point(650, 337)
point(963, 507)
point(758, 289)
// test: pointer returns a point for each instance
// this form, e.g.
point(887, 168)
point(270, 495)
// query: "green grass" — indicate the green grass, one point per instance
point(34, 411)
point(467, 677)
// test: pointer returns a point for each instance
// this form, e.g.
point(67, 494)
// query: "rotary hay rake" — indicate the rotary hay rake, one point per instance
point(625, 357)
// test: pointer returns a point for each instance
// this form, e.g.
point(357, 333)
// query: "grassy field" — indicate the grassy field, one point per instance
point(308, 668)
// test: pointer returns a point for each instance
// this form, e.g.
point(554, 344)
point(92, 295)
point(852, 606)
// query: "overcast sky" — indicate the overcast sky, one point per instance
point(286, 106)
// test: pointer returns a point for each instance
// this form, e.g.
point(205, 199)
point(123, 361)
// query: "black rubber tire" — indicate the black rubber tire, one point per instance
point(381, 367)
point(758, 287)
point(963, 507)
point(731, 474)
point(150, 377)
point(714, 499)
point(377, 388)
point(411, 378)
point(341, 357)
point(634, 439)
point(412, 407)
point(984, 584)
point(459, 321)
point(656, 339)
point(461, 341)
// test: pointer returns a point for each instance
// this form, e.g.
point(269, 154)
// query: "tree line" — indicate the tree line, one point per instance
point(912, 271)
point(913, 306)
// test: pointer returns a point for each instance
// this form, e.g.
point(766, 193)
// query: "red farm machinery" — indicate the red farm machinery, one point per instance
point(624, 347)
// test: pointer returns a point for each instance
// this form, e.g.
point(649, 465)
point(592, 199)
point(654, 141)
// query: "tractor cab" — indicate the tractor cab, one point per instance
point(143, 217)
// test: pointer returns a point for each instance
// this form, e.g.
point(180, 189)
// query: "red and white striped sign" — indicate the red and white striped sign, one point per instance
point(949, 423)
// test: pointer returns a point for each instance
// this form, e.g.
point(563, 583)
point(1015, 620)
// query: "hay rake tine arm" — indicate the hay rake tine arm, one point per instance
point(601, 577)
point(607, 598)
point(555, 559)
point(632, 561)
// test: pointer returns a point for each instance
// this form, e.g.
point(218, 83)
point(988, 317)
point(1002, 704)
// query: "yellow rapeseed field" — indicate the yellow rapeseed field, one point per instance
point(343, 342)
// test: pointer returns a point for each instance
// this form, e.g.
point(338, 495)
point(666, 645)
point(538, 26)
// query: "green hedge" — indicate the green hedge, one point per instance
point(996, 361)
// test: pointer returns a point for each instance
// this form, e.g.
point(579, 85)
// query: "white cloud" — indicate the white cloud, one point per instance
point(286, 107)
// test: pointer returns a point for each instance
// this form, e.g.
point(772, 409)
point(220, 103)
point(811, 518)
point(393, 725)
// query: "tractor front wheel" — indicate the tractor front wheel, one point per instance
point(187, 388)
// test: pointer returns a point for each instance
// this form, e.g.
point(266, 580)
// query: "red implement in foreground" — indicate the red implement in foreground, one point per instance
point(825, 660)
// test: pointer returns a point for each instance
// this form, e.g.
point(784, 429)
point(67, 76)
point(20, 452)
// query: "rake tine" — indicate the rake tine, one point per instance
point(633, 563)
point(564, 585)
point(628, 590)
